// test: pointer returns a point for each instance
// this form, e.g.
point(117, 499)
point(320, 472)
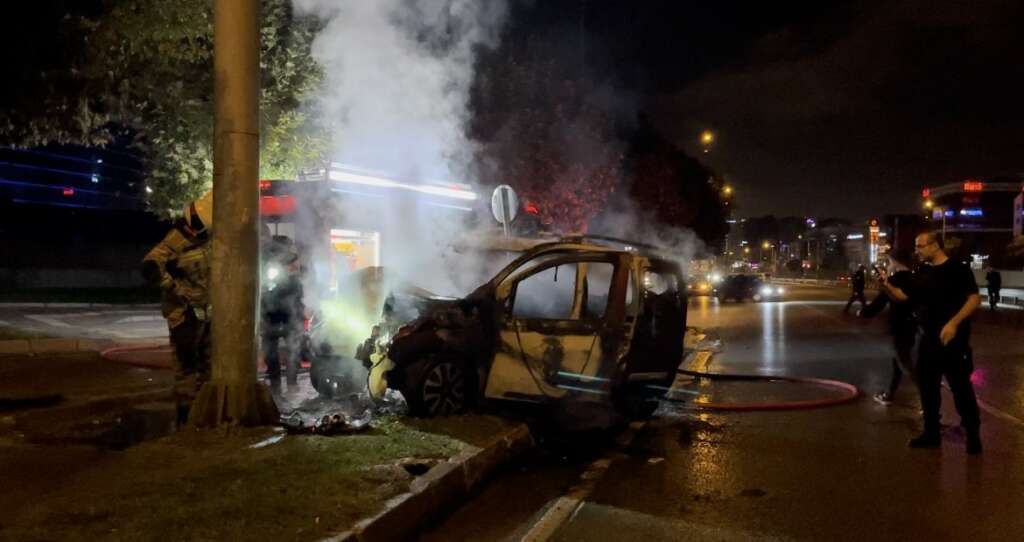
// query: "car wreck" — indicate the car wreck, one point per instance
point(572, 320)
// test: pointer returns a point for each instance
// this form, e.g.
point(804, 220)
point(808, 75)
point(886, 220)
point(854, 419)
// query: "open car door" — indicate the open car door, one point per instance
point(560, 329)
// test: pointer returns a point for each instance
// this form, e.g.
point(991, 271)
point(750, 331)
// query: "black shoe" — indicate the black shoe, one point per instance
point(973, 443)
point(926, 440)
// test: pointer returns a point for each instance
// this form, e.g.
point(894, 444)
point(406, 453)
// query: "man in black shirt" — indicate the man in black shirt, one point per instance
point(945, 295)
point(902, 323)
point(995, 283)
point(857, 283)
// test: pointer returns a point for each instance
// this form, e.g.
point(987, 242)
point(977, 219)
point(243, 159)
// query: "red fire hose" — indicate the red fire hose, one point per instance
point(850, 392)
point(140, 348)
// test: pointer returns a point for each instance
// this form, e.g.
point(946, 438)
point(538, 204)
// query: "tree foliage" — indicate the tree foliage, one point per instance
point(542, 134)
point(143, 72)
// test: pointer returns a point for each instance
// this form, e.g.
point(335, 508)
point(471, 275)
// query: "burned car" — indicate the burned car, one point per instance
point(565, 321)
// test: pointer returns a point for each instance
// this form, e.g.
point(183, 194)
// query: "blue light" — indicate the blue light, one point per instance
point(95, 178)
point(971, 212)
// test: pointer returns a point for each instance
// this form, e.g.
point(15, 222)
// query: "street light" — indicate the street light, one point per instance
point(707, 138)
point(727, 190)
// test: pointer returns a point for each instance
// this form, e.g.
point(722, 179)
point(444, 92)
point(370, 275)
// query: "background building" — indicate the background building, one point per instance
point(975, 217)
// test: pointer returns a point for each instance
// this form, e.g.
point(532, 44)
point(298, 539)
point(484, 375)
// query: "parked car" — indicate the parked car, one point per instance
point(745, 286)
point(568, 321)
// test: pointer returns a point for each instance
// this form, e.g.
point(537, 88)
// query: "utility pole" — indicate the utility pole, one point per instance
point(234, 396)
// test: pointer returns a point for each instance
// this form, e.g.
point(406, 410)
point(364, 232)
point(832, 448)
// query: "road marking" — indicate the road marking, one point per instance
point(1002, 415)
point(995, 411)
point(562, 509)
point(146, 318)
point(70, 314)
point(52, 322)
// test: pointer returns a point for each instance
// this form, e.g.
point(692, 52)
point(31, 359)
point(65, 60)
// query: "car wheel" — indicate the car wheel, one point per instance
point(437, 386)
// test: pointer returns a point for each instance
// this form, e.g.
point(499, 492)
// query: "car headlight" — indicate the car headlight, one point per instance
point(715, 278)
point(766, 291)
point(779, 291)
point(273, 272)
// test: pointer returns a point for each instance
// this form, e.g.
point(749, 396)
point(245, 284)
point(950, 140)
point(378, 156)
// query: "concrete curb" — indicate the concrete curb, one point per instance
point(49, 346)
point(79, 305)
point(442, 487)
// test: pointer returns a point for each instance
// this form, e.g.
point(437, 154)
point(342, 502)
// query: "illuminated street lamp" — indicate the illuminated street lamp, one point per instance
point(928, 204)
point(706, 139)
point(727, 190)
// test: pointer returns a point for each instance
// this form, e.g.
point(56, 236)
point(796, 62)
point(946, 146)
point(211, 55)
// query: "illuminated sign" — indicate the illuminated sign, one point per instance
point(853, 236)
point(971, 212)
point(973, 186)
point(69, 191)
point(926, 193)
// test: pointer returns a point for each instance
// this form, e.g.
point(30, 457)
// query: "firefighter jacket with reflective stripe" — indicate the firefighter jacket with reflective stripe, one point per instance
point(180, 264)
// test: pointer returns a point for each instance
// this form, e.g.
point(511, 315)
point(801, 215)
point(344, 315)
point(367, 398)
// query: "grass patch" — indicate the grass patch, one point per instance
point(212, 486)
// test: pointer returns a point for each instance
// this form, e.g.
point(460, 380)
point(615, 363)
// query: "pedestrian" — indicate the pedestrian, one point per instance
point(180, 265)
point(945, 294)
point(857, 282)
point(995, 283)
point(902, 324)
point(283, 318)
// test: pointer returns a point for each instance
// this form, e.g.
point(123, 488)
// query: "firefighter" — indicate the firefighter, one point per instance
point(180, 265)
point(283, 317)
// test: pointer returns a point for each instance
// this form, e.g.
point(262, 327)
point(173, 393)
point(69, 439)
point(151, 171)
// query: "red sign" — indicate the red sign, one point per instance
point(277, 205)
point(926, 193)
point(973, 186)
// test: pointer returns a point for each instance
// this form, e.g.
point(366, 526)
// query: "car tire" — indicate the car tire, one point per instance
point(437, 386)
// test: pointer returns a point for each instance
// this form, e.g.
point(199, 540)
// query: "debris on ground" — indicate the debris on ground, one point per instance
point(327, 425)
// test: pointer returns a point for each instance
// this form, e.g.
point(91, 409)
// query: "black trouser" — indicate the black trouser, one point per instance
point(954, 362)
point(191, 342)
point(292, 335)
point(903, 362)
point(993, 297)
point(855, 296)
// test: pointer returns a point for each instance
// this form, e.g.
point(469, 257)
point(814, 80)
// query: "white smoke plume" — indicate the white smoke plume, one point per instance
point(395, 97)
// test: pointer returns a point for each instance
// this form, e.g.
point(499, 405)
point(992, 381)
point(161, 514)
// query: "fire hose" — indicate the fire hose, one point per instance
point(108, 354)
point(850, 392)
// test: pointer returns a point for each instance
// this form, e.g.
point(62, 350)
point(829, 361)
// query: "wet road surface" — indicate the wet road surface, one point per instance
point(68, 320)
point(841, 473)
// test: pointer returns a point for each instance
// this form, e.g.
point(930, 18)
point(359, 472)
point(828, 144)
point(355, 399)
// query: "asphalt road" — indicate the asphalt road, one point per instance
point(840, 473)
point(96, 322)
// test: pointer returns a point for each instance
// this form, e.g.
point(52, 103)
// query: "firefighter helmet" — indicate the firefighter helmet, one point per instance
point(199, 213)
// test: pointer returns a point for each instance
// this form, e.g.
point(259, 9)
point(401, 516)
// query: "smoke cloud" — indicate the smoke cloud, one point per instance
point(395, 99)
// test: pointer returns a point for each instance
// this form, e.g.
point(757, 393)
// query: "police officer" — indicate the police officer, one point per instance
point(945, 294)
point(180, 265)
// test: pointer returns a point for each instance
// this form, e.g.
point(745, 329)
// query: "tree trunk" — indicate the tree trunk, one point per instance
point(234, 396)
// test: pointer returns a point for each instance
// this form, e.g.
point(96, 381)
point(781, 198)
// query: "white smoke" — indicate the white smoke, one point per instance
point(397, 80)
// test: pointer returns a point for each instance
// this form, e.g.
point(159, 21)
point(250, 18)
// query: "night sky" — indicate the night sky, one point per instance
point(839, 108)
point(845, 111)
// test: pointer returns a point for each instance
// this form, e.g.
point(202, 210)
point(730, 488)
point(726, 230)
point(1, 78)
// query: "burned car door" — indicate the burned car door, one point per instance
point(552, 330)
point(659, 324)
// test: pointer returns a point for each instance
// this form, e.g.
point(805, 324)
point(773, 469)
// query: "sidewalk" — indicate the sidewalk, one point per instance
point(73, 471)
